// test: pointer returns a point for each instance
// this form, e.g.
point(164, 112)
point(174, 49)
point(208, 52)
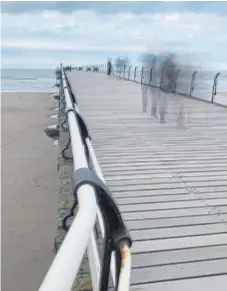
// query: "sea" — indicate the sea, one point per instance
point(28, 80)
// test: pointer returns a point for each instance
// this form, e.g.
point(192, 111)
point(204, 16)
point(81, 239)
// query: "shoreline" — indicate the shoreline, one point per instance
point(30, 186)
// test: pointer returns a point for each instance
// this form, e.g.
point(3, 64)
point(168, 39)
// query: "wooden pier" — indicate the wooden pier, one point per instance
point(169, 181)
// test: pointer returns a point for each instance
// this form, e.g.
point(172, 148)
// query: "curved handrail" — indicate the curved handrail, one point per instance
point(89, 183)
point(124, 272)
point(67, 261)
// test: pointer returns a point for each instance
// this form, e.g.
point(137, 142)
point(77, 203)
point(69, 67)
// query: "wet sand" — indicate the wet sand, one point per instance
point(29, 190)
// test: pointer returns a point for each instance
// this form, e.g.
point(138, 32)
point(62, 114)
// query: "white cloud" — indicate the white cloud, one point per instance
point(126, 32)
point(52, 45)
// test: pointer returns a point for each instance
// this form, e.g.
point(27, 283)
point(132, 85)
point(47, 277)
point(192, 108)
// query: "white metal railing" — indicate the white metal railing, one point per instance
point(125, 272)
point(80, 236)
point(99, 173)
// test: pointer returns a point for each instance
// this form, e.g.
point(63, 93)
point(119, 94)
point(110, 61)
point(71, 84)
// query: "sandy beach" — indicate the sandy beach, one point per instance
point(29, 190)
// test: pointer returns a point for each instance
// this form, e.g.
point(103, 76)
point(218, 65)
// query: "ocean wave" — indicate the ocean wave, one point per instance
point(27, 80)
point(19, 78)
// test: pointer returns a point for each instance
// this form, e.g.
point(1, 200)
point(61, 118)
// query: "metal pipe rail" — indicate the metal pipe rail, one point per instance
point(66, 263)
point(99, 214)
point(125, 272)
point(124, 276)
point(124, 280)
point(98, 172)
point(80, 235)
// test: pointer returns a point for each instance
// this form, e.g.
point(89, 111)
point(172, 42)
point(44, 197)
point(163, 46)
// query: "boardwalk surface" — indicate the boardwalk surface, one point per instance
point(170, 182)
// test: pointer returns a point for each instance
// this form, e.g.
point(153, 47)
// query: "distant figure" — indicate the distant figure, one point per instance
point(109, 67)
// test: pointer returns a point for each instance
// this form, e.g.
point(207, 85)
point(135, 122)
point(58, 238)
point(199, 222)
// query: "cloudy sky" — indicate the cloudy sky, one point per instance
point(42, 34)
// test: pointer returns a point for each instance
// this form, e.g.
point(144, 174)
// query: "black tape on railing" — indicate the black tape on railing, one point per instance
point(115, 229)
point(72, 95)
point(105, 200)
point(84, 134)
point(83, 127)
point(81, 124)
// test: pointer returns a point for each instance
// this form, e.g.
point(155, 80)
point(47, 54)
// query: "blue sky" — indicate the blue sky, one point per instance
point(43, 34)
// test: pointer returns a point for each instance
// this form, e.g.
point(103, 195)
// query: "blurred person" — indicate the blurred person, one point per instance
point(167, 86)
point(145, 88)
point(149, 62)
point(120, 64)
point(119, 72)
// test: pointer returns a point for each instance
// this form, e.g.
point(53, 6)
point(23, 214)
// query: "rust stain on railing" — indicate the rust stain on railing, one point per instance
point(125, 253)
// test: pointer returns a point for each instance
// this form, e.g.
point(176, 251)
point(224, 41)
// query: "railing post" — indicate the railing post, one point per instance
point(192, 83)
point(214, 89)
point(161, 78)
point(151, 70)
point(129, 72)
point(135, 74)
point(119, 71)
point(141, 81)
point(175, 81)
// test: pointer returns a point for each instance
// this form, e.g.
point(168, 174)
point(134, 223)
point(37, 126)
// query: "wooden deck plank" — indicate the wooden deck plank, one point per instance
point(142, 260)
point(196, 284)
point(139, 169)
point(171, 232)
point(175, 222)
point(179, 271)
point(211, 171)
point(170, 205)
point(166, 198)
point(121, 187)
point(187, 175)
point(178, 243)
point(218, 210)
point(170, 183)
point(159, 180)
point(201, 191)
